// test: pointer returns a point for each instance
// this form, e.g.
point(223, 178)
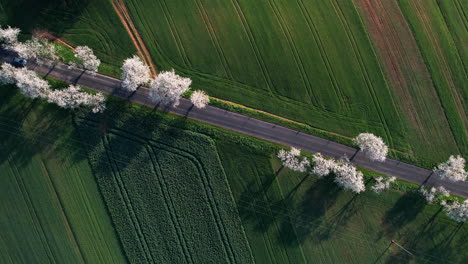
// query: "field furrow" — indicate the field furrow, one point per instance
point(253, 43)
point(128, 203)
point(444, 63)
point(214, 38)
point(170, 206)
point(186, 189)
point(174, 33)
point(323, 54)
point(35, 220)
point(298, 61)
point(364, 70)
point(408, 76)
point(207, 187)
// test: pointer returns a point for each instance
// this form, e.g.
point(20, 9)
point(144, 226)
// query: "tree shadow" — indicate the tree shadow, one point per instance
point(257, 207)
point(29, 127)
point(405, 210)
point(54, 15)
point(309, 218)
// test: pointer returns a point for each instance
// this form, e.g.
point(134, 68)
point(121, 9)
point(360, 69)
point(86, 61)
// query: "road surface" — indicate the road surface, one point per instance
point(250, 126)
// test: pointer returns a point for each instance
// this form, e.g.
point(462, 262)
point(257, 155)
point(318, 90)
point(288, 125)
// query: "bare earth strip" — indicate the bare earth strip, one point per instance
point(405, 69)
point(124, 15)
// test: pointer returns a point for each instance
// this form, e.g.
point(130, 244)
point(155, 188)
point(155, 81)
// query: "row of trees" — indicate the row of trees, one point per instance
point(166, 88)
point(33, 86)
point(349, 178)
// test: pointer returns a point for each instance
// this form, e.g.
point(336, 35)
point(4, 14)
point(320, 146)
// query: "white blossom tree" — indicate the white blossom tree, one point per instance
point(9, 35)
point(373, 146)
point(73, 97)
point(291, 159)
point(433, 194)
point(7, 74)
point(349, 178)
point(30, 84)
point(382, 183)
point(322, 166)
point(36, 48)
point(168, 87)
point(135, 73)
point(456, 210)
point(453, 169)
point(86, 59)
point(199, 99)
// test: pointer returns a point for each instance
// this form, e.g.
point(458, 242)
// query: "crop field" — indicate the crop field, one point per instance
point(166, 191)
point(153, 182)
point(296, 218)
point(51, 208)
point(327, 64)
point(177, 190)
point(80, 22)
point(324, 63)
point(256, 53)
point(408, 75)
point(445, 62)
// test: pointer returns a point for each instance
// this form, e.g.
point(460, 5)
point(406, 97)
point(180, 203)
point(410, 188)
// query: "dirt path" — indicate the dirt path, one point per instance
point(47, 35)
point(121, 10)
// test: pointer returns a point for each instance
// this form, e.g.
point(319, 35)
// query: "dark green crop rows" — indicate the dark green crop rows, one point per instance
point(167, 193)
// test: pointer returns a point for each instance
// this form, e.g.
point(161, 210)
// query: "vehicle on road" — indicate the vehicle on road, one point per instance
point(18, 62)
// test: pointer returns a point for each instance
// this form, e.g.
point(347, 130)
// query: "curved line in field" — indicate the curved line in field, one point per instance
point(221, 227)
point(128, 203)
point(212, 33)
point(298, 61)
point(174, 33)
point(323, 54)
point(363, 68)
point(166, 196)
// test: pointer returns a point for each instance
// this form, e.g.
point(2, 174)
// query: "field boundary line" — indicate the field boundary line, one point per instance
point(32, 212)
point(122, 12)
point(128, 204)
point(213, 205)
point(323, 54)
point(299, 64)
point(447, 76)
point(464, 19)
point(174, 33)
point(253, 44)
point(362, 67)
point(264, 196)
point(67, 224)
point(168, 201)
point(213, 37)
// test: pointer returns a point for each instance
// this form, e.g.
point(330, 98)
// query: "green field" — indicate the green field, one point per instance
point(182, 191)
point(309, 61)
point(51, 208)
point(256, 53)
point(166, 191)
point(446, 63)
point(79, 22)
point(312, 62)
point(285, 217)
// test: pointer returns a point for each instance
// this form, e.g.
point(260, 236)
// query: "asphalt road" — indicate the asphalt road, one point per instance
point(249, 126)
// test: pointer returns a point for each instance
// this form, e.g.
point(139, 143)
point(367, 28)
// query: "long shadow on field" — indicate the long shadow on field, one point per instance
point(405, 210)
point(53, 15)
point(257, 206)
point(309, 218)
point(29, 127)
point(437, 239)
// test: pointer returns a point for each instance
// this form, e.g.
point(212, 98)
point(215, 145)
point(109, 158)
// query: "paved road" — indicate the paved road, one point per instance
point(250, 126)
